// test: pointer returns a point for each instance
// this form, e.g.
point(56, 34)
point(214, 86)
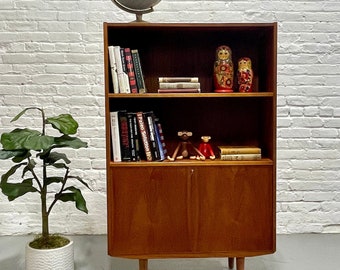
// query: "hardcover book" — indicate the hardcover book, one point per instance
point(138, 71)
point(241, 149)
point(241, 157)
point(143, 129)
point(114, 73)
point(123, 79)
point(177, 79)
point(115, 137)
point(130, 70)
point(178, 85)
point(124, 136)
point(176, 90)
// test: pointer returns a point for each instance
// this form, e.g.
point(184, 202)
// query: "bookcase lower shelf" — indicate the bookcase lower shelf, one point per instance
point(191, 212)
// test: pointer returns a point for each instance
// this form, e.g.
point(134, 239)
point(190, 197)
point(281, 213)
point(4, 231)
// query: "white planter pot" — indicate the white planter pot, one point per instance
point(50, 259)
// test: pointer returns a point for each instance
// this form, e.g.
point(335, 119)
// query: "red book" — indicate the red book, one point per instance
point(130, 70)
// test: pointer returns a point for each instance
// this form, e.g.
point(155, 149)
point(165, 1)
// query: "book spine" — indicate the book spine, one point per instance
point(179, 85)
point(160, 130)
point(138, 71)
point(130, 70)
point(176, 90)
point(124, 136)
point(144, 135)
point(240, 150)
point(152, 134)
point(115, 137)
point(177, 79)
point(133, 151)
point(114, 74)
point(241, 157)
point(123, 88)
point(136, 136)
point(158, 139)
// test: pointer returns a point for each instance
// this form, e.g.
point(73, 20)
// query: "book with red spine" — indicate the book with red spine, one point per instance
point(130, 70)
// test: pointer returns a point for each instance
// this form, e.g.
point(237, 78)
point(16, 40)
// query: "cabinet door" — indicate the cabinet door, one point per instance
point(180, 211)
point(148, 211)
point(234, 209)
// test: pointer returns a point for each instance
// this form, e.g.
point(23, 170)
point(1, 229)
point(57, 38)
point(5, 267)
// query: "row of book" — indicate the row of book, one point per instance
point(137, 136)
point(126, 70)
point(243, 152)
point(179, 85)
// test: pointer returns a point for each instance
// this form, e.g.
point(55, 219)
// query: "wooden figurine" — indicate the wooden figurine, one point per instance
point(205, 148)
point(223, 70)
point(245, 75)
point(182, 150)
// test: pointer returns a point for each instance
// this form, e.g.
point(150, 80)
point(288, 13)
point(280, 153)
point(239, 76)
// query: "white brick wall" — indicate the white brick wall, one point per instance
point(51, 55)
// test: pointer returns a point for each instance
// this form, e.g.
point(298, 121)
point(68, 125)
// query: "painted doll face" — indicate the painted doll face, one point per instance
point(223, 53)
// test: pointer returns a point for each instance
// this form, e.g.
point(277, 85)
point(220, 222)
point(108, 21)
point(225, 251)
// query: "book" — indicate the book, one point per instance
point(178, 90)
point(138, 71)
point(132, 140)
point(240, 157)
point(114, 73)
point(123, 79)
point(160, 143)
point(143, 129)
point(155, 147)
point(115, 137)
point(124, 136)
point(161, 135)
point(177, 79)
point(136, 136)
point(130, 70)
point(241, 149)
point(174, 85)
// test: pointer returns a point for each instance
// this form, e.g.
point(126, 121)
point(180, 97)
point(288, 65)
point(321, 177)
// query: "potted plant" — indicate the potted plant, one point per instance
point(38, 167)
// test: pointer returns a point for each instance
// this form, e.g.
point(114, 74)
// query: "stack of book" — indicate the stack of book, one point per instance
point(126, 70)
point(136, 136)
point(179, 85)
point(242, 152)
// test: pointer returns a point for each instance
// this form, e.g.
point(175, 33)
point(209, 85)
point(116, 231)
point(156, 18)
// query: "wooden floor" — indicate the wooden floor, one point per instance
point(303, 252)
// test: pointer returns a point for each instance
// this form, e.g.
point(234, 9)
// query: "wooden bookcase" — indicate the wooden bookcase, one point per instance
point(195, 208)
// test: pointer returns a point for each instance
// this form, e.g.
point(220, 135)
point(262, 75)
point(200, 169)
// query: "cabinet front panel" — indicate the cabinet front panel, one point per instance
point(195, 210)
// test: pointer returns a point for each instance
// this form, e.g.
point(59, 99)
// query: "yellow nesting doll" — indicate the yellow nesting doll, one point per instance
point(223, 70)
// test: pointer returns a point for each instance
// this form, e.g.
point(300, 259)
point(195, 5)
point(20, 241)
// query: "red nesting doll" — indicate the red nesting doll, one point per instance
point(245, 75)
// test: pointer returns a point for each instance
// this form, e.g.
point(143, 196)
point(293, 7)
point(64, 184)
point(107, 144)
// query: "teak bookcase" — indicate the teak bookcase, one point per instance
point(193, 208)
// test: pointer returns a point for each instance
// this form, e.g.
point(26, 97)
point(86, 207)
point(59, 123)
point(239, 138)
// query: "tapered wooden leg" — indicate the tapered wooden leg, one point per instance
point(231, 262)
point(240, 263)
point(143, 264)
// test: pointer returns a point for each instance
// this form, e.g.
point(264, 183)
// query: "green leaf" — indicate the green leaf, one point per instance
point(50, 180)
point(6, 154)
point(53, 157)
point(80, 180)
point(64, 123)
point(72, 142)
point(15, 190)
point(74, 195)
point(23, 112)
point(20, 139)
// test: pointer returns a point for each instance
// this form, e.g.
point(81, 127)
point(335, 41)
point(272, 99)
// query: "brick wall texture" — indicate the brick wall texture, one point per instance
point(51, 55)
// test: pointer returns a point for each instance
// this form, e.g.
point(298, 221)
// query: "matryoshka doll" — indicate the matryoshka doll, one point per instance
point(223, 70)
point(245, 75)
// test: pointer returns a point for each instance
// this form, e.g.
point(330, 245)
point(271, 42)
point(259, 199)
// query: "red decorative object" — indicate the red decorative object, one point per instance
point(223, 70)
point(205, 148)
point(245, 75)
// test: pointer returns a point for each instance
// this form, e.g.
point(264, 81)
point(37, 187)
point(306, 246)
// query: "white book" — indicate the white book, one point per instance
point(115, 137)
point(114, 73)
point(123, 78)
